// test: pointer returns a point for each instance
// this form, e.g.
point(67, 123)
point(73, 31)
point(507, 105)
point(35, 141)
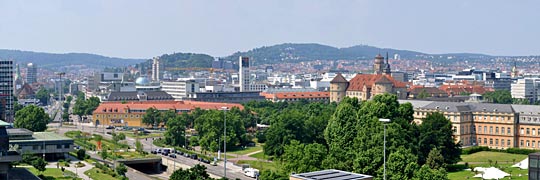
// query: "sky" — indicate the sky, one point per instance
point(144, 29)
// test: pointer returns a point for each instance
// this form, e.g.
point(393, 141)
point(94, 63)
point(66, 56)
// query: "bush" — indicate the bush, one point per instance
point(474, 149)
point(81, 154)
point(194, 141)
point(520, 151)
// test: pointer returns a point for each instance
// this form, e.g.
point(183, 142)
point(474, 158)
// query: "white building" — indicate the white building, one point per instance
point(156, 77)
point(526, 89)
point(244, 75)
point(180, 89)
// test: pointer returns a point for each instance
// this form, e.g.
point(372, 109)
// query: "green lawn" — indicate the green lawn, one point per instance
point(96, 173)
point(53, 173)
point(481, 159)
point(132, 135)
point(246, 151)
point(260, 165)
point(260, 155)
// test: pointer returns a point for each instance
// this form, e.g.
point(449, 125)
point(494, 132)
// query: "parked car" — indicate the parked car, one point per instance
point(187, 155)
point(194, 156)
point(153, 152)
point(172, 155)
point(109, 127)
point(158, 151)
point(251, 172)
point(206, 161)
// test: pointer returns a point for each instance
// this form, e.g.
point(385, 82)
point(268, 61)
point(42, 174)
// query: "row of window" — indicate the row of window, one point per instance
point(58, 146)
point(527, 131)
point(497, 130)
point(508, 142)
point(115, 116)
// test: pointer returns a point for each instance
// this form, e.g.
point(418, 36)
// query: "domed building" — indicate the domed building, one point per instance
point(143, 83)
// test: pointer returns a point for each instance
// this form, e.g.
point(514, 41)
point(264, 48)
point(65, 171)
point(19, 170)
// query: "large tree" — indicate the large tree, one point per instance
point(436, 132)
point(302, 158)
point(210, 125)
point(498, 96)
point(43, 95)
point(32, 118)
point(152, 117)
point(176, 129)
point(197, 172)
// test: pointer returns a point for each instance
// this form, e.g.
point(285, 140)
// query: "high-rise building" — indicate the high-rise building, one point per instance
point(31, 73)
point(6, 90)
point(244, 74)
point(156, 70)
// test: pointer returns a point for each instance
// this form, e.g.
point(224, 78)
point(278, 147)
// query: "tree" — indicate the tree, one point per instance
point(436, 132)
point(498, 96)
point(151, 117)
point(81, 154)
point(209, 125)
point(139, 147)
point(435, 160)
point(121, 169)
point(272, 175)
point(32, 118)
point(301, 158)
point(426, 173)
point(104, 154)
point(176, 129)
point(197, 172)
point(39, 164)
point(168, 115)
point(43, 95)
point(340, 134)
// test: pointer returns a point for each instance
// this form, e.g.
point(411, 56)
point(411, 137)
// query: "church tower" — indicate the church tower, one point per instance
point(515, 72)
point(387, 69)
point(378, 65)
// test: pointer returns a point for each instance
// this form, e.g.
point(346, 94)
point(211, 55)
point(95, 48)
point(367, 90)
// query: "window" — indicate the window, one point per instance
point(521, 143)
point(502, 130)
point(502, 142)
point(480, 129)
point(508, 131)
point(58, 146)
point(528, 131)
point(533, 131)
point(497, 142)
point(490, 141)
point(485, 140)
point(522, 131)
point(66, 146)
point(527, 143)
point(508, 142)
point(485, 129)
point(479, 140)
point(35, 147)
point(496, 130)
point(490, 129)
point(533, 142)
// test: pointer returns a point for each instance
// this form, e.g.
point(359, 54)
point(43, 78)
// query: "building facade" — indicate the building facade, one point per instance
point(180, 90)
point(297, 96)
point(244, 74)
point(365, 86)
point(497, 126)
point(131, 113)
point(6, 90)
point(156, 69)
point(526, 89)
point(31, 73)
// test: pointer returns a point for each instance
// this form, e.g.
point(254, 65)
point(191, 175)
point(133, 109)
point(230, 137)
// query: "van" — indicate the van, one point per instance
point(251, 172)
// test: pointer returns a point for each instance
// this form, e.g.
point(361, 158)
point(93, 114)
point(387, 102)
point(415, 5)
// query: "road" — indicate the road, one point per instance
point(233, 172)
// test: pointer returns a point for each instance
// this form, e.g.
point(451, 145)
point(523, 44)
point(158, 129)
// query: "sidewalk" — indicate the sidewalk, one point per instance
point(79, 171)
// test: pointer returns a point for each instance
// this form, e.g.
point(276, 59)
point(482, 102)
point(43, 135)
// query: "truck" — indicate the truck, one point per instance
point(251, 172)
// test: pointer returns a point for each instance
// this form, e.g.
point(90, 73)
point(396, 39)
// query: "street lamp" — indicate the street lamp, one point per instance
point(384, 121)
point(224, 141)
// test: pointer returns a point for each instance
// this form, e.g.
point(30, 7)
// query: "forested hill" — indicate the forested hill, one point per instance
point(46, 60)
point(289, 52)
point(308, 52)
point(181, 60)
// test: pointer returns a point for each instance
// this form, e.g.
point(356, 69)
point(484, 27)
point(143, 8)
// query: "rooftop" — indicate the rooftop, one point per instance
point(3, 123)
point(331, 174)
point(44, 136)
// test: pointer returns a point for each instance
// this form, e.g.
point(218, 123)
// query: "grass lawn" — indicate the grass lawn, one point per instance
point(132, 135)
point(53, 173)
point(260, 155)
point(96, 173)
point(481, 159)
point(260, 165)
point(246, 151)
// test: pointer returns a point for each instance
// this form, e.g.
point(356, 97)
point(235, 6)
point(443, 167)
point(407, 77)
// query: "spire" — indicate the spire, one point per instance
point(387, 69)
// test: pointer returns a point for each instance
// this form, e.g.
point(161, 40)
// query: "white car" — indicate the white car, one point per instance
point(251, 172)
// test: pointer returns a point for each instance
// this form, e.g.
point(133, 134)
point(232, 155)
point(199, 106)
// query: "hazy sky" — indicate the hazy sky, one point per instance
point(143, 29)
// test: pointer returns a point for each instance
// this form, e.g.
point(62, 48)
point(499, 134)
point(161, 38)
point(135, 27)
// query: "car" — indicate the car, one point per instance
point(153, 152)
point(251, 172)
point(109, 127)
point(194, 156)
point(187, 155)
point(158, 151)
point(206, 161)
point(172, 155)
point(119, 128)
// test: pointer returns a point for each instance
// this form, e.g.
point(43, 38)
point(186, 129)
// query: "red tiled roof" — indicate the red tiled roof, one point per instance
point(118, 107)
point(357, 83)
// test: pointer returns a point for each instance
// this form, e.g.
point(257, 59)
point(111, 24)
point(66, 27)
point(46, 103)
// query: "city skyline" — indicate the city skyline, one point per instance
point(144, 29)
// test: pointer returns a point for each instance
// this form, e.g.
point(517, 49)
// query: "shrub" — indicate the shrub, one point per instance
point(520, 151)
point(474, 149)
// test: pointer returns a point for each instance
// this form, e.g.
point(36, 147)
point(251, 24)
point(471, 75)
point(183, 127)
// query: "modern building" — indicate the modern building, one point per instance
point(330, 174)
point(46, 144)
point(156, 69)
point(7, 155)
point(31, 73)
point(244, 73)
point(6, 90)
point(131, 113)
point(527, 89)
point(534, 166)
point(180, 89)
point(226, 97)
point(139, 96)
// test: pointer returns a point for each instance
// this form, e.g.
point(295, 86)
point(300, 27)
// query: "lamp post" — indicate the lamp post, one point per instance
point(384, 121)
point(224, 141)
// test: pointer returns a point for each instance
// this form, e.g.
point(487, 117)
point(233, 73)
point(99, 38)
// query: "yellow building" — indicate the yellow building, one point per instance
point(131, 113)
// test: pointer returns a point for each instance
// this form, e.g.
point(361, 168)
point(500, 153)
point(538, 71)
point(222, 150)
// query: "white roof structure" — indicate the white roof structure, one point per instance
point(523, 164)
point(490, 173)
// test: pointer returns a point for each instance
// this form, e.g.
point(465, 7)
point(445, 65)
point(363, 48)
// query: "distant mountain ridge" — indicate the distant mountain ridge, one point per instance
point(46, 60)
